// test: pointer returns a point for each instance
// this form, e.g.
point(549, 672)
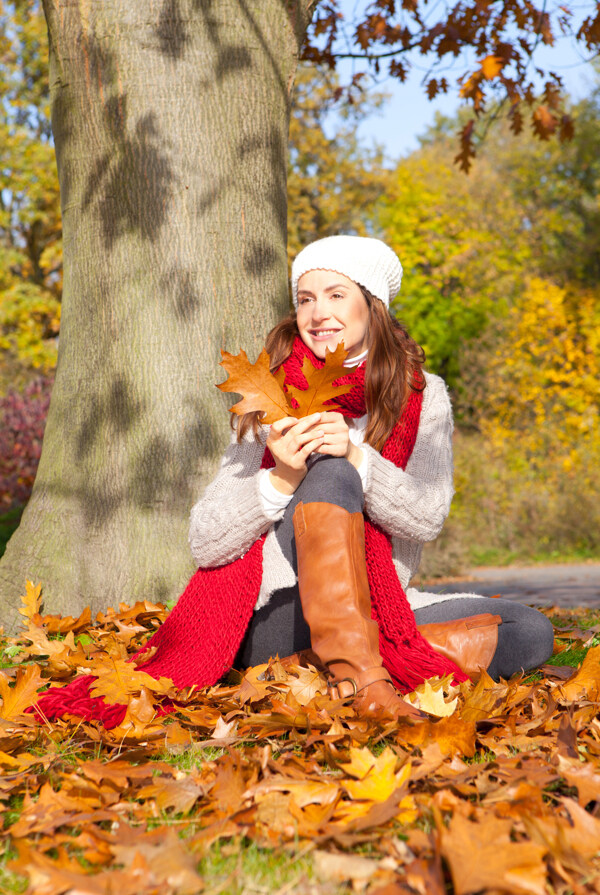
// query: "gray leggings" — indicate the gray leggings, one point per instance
point(525, 637)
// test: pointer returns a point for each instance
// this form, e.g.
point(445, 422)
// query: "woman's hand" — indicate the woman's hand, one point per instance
point(291, 441)
point(337, 438)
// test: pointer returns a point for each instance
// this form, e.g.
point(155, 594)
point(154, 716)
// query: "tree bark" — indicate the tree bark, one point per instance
point(170, 121)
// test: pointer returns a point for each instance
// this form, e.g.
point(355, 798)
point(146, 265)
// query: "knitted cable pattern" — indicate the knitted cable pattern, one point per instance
point(200, 638)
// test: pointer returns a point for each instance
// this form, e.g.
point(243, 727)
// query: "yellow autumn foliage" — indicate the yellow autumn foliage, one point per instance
point(544, 379)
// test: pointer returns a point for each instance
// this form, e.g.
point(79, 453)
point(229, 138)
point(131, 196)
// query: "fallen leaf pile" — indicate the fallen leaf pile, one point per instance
point(263, 391)
point(497, 791)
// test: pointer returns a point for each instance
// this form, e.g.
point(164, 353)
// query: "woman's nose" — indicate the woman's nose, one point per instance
point(320, 311)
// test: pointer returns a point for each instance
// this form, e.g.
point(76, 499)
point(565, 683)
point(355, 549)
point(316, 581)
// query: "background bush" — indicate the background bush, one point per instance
point(22, 423)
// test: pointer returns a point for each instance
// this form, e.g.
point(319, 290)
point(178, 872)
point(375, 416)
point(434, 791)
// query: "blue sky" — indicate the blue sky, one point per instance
point(408, 112)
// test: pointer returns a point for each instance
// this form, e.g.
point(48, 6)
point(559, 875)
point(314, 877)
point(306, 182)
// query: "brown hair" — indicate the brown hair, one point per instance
point(393, 368)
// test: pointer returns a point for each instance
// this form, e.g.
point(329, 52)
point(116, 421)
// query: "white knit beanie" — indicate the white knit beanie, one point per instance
point(368, 262)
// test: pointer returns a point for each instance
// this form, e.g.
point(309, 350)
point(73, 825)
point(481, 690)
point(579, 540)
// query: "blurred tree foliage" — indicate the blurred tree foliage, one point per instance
point(544, 379)
point(30, 221)
point(502, 287)
point(333, 180)
point(475, 249)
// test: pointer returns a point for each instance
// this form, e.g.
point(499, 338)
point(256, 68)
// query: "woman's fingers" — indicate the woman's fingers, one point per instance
point(298, 440)
point(332, 416)
point(310, 447)
point(336, 435)
point(289, 423)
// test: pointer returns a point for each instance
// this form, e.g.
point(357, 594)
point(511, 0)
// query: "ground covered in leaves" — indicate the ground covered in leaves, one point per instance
point(265, 785)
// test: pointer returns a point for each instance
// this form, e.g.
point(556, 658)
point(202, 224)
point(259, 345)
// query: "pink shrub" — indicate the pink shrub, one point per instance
point(22, 422)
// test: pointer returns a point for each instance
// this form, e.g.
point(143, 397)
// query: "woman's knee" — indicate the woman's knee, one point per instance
point(541, 633)
point(525, 641)
point(333, 480)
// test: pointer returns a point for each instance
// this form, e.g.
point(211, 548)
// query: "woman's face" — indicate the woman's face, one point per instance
point(331, 309)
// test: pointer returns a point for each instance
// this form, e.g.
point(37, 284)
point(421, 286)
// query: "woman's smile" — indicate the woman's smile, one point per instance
point(324, 333)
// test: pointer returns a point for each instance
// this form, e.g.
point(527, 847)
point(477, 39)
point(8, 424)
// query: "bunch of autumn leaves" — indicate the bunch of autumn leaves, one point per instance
point(497, 791)
point(264, 391)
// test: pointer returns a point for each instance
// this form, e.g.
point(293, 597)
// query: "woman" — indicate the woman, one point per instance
point(312, 529)
point(328, 470)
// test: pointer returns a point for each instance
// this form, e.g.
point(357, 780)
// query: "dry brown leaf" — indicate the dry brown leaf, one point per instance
point(263, 391)
point(59, 652)
point(225, 731)
point(230, 783)
point(342, 867)
point(260, 390)
point(16, 699)
point(59, 624)
point(482, 857)
point(585, 777)
point(303, 792)
point(305, 683)
point(54, 808)
point(486, 700)
point(573, 840)
point(140, 721)
point(426, 877)
point(429, 697)
point(376, 777)
point(453, 735)
point(258, 683)
point(301, 775)
point(586, 681)
point(167, 861)
point(117, 680)
point(180, 793)
point(50, 877)
point(320, 383)
point(31, 600)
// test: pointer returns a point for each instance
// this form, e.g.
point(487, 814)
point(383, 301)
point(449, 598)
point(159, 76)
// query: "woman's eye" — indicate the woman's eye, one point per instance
point(304, 300)
point(337, 295)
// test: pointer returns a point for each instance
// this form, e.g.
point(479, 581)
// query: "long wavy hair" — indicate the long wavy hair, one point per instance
point(393, 368)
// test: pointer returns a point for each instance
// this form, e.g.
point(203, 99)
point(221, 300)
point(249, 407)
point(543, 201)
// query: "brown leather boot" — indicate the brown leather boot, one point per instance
point(469, 642)
point(336, 602)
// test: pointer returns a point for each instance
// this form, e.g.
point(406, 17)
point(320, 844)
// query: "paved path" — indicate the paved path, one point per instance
point(560, 585)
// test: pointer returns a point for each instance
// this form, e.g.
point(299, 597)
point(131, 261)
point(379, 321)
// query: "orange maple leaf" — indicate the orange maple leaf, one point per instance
point(117, 680)
point(263, 391)
point(16, 699)
point(320, 384)
point(31, 600)
point(260, 389)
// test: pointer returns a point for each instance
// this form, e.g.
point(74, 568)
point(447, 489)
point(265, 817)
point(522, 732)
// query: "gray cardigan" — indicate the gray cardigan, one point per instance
point(411, 505)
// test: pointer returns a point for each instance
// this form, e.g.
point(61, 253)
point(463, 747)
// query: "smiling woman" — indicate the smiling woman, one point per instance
point(341, 503)
point(308, 538)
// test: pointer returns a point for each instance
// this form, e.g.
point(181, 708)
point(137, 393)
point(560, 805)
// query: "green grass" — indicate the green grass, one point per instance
point(11, 882)
point(498, 557)
point(234, 867)
point(194, 757)
point(569, 656)
point(239, 866)
point(9, 522)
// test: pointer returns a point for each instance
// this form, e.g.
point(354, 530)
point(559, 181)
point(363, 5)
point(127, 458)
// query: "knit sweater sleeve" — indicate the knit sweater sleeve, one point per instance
point(414, 503)
point(230, 515)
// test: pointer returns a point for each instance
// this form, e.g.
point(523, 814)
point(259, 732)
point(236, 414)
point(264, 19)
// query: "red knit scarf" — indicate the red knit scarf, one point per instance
point(200, 638)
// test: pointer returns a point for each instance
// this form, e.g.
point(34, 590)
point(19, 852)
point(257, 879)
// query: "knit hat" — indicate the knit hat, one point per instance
point(368, 262)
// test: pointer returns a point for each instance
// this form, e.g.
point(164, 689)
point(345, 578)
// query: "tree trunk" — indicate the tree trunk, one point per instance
point(170, 122)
